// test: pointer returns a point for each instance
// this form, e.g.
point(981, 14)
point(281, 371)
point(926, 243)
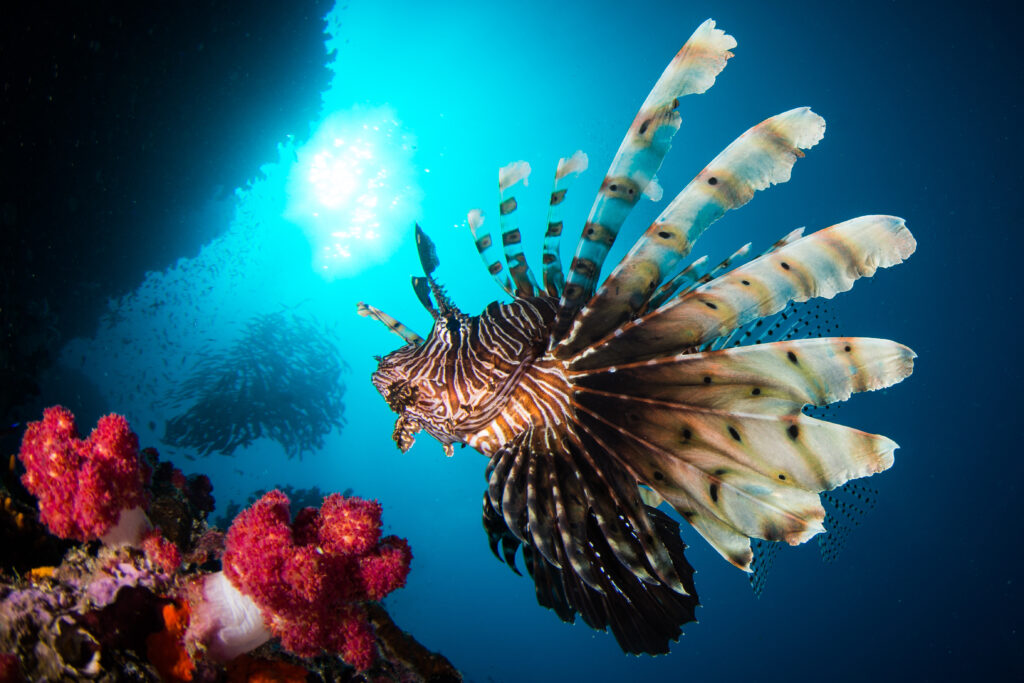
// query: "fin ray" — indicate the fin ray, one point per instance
point(819, 265)
point(692, 71)
point(761, 157)
point(367, 311)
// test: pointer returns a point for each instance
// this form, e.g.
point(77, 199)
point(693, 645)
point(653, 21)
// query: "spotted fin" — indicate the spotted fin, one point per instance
point(681, 281)
point(714, 272)
point(818, 265)
point(568, 168)
point(722, 438)
point(488, 250)
point(692, 71)
point(778, 378)
point(511, 237)
point(761, 157)
point(398, 328)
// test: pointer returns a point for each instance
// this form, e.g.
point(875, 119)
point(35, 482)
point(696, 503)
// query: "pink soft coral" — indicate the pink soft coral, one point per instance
point(310, 578)
point(83, 486)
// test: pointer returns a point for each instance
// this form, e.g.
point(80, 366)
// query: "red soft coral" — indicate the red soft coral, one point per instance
point(310, 578)
point(387, 569)
point(160, 552)
point(349, 525)
point(82, 485)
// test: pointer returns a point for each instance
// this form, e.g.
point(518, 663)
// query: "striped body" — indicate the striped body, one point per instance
point(484, 382)
point(597, 401)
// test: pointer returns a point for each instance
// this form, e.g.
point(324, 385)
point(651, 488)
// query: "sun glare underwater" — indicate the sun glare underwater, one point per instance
point(349, 187)
point(249, 361)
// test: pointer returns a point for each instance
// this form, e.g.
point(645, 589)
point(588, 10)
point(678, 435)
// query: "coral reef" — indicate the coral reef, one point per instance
point(86, 488)
point(300, 498)
point(312, 578)
point(142, 612)
point(281, 380)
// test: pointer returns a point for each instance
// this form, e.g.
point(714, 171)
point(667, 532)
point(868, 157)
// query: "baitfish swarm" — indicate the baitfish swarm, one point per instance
point(596, 402)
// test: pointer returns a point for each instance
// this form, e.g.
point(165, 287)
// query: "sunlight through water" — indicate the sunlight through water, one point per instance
point(352, 189)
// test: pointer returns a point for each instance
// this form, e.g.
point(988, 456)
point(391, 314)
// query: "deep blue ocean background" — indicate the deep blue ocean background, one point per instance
point(923, 108)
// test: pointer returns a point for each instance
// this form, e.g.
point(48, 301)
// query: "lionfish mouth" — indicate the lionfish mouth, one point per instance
point(404, 433)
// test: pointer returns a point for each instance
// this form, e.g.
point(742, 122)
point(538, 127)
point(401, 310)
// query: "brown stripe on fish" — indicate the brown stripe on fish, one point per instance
point(584, 267)
point(508, 206)
point(557, 197)
point(512, 237)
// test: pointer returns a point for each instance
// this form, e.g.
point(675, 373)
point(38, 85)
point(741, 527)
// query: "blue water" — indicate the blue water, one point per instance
point(921, 106)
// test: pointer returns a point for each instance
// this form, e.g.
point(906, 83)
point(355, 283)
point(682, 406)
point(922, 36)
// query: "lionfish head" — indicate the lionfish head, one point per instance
point(409, 381)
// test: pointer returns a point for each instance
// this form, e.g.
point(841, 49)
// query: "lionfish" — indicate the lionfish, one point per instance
point(595, 403)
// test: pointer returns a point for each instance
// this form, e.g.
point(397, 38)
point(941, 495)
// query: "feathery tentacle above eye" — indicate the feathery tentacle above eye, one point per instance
point(692, 71)
point(488, 250)
point(398, 328)
point(428, 259)
point(818, 265)
point(761, 157)
point(511, 238)
point(568, 168)
point(421, 286)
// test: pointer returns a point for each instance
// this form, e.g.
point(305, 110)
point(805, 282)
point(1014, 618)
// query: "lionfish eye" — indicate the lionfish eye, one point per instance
point(452, 323)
